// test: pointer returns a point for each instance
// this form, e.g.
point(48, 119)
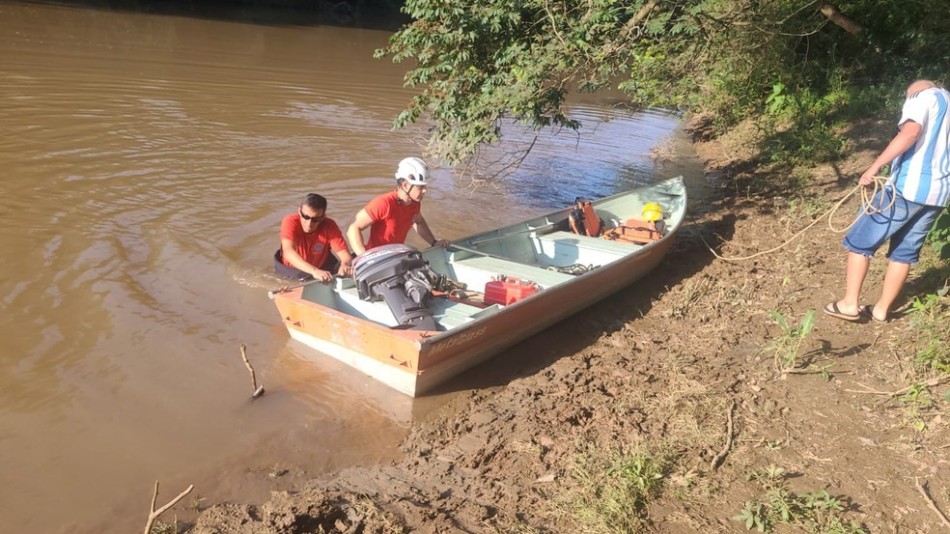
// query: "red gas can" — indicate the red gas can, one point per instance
point(509, 290)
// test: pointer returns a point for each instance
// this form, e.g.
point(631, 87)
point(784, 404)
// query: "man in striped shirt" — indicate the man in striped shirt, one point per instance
point(916, 192)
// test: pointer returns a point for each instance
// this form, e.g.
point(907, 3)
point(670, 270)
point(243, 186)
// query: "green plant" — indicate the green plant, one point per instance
point(614, 490)
point(929, 319)
point(939, 236)
point(918, 395)
point(917, 398)
point(824, 370)
point(786, 347)
point(196, 504)
point(815, 512)
point(808, 206)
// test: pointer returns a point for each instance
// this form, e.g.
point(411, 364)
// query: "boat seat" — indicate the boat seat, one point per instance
point(476, 271)
point(566, 248)
point(450, 313)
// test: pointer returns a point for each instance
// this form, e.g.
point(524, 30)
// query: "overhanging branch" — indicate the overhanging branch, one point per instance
point(839, 19)
point(640, 16)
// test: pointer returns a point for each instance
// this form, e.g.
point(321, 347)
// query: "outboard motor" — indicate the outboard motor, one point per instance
point(399, 275)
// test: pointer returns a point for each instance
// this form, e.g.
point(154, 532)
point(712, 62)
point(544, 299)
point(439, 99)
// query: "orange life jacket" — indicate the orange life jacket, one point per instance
point(584, 220)
point(636, 231)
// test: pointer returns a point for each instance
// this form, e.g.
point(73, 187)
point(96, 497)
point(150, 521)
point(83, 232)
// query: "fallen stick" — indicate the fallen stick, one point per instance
point(717, 460)
point(153, 514)
point(256, 391)
point(930, 383)
point(930, 502)
point(797, 371)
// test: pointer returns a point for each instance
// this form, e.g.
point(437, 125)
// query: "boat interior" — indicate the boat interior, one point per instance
point(542, 251)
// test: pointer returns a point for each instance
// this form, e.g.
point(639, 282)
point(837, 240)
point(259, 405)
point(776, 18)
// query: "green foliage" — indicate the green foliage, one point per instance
point(939, 236)
point(786, 347)
point(930, 318)
point(815, 512)
point(480, 63)
point(614, 490)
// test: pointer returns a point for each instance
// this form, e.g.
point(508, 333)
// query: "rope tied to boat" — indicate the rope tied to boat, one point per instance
point(868, 208)
point(576, 269)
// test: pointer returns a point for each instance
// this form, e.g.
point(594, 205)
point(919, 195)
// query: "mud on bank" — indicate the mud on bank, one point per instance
point(617, 429)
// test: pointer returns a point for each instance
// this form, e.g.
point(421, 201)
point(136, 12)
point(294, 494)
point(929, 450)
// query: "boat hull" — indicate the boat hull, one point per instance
point(443, 359)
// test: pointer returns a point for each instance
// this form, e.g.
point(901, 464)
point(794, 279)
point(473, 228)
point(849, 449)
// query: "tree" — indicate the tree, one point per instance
point(480, 61)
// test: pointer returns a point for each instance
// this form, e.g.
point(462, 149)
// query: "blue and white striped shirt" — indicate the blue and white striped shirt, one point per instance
point(922, 173)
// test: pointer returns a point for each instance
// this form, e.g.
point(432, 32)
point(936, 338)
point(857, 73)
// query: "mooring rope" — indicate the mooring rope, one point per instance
point(867, 201)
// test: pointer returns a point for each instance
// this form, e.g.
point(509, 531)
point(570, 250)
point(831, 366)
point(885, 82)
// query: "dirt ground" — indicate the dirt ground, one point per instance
point(663, 371)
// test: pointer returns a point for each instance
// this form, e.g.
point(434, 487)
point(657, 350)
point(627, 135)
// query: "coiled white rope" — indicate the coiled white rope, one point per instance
point(867, 201)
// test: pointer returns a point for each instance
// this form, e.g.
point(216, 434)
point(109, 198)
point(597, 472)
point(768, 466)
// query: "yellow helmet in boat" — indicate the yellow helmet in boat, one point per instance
point(652, 212)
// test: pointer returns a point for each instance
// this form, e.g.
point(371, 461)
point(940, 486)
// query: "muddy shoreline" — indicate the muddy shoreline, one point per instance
point(660, 371)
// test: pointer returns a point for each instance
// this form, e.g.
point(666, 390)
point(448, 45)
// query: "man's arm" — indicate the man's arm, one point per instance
point(422, 228)
point(346, 262)
point(296, 260)
point(354, 234)
point(904, 139)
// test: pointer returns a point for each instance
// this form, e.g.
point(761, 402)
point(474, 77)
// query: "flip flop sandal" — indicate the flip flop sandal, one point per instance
point(868, 310)
point(832, 310)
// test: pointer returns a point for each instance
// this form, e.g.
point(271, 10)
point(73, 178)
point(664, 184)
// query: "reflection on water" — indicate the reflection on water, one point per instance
point(148, 159)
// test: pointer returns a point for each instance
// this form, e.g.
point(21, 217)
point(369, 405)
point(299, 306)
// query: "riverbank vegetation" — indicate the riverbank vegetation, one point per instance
point(798, 68)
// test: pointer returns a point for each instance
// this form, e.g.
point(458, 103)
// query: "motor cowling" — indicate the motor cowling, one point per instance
point(399, 275)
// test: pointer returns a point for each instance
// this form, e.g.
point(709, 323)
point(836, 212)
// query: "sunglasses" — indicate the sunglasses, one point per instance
point(314, 218)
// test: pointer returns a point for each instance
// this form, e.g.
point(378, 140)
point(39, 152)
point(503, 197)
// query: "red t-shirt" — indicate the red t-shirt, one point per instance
point(391, 220)
point(312, 247)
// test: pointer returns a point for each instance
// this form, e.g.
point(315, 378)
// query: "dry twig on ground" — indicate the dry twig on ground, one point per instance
point(717, 460)
point(930, 502)
point(930, 383)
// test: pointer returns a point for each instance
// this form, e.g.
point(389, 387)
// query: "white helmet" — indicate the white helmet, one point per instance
point(413, 170)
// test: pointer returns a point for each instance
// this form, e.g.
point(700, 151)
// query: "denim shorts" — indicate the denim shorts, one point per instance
point(906, 224)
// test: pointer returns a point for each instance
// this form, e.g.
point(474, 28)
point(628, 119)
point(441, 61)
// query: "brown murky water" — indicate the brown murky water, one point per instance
point(146, 162)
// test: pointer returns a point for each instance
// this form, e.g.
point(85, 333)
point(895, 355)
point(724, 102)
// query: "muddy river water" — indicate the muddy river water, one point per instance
point(147, 159)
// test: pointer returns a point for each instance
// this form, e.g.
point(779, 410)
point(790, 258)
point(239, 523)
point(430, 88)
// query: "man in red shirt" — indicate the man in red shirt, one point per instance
point(390, 215)
point(306, 240)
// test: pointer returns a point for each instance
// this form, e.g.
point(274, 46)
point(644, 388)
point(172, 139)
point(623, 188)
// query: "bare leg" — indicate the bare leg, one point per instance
point(894, 279)
point(855, 272)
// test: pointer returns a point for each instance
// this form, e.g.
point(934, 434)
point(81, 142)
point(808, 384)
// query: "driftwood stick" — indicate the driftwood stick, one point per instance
point(717, 460)
point(153, 514)
point(930, 502)
point(255, 390)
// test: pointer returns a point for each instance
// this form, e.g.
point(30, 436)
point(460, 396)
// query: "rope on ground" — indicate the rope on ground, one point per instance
point(867, 197)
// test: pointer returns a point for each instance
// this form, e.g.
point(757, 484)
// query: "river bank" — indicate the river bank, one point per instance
point(674, 406)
